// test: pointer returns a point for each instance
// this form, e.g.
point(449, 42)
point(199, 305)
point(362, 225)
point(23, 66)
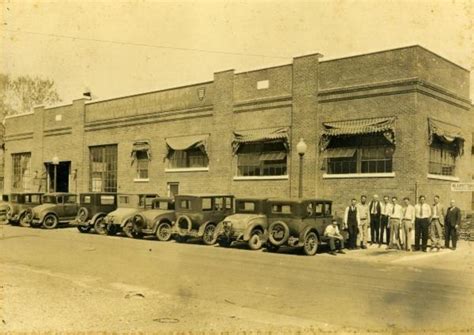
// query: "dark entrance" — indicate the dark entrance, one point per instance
point(62, 176)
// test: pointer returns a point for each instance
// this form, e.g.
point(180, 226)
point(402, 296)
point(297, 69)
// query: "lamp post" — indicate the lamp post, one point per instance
point(55, 162)
point(301, 148)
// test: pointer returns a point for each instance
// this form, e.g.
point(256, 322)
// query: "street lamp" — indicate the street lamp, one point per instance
point(301, 148)
point(55, 162)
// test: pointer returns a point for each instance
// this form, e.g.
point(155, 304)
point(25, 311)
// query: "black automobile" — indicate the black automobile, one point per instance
point(93, 207)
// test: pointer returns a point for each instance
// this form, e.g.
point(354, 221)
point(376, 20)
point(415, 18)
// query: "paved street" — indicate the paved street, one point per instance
point(62, 280)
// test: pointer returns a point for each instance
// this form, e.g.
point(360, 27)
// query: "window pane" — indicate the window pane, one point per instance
point(262, 159)
point(442, 159)
point(188, 158)
point(103, 168)
point(107, 199)
point(206, 204)
point(21, 177)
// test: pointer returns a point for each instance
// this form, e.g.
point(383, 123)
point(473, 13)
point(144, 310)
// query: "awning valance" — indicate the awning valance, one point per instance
point(383, 125)
point(273, 156)
point(188, 142)
point(446, 133)
point(340, 153)
point(260, 135)
point(140, 146)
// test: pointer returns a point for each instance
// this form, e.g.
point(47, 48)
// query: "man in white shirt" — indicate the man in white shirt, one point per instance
point(363, 209)
point(351, 223)
point(396, 215)
point(385, 220)
point(408, 223)
point(437, 222)
point(334, 237)
point(422, 223)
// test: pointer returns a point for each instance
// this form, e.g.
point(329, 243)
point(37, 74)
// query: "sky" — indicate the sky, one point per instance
point(121, 48)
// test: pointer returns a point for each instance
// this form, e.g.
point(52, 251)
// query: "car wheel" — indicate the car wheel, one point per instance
point(208, 236)
point(82, 214)
point(272, 248)
point(256, 240)
point(100, 226)
point(278, 233)
point(112, 229)
point(163, 233)
point(25, 219)
point(129, 230)
point(50, 221)
point(310, 246)
point(183, 225)
point(181, 239)
point(84, 229)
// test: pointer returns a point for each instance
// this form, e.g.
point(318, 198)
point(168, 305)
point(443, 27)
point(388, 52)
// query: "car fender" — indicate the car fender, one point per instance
point(124, 221)
point(96, 217)
point(158, 221)
point(256, 223)
point(305, 231)
point(44, 214)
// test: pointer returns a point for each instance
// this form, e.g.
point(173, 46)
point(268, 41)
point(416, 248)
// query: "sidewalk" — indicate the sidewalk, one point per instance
point(447, 259)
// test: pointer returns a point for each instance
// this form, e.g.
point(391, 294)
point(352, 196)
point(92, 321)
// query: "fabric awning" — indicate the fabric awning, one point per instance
point(260, 135)
point(140, 146)
point(273, 156)
point(340, 153)
point(447, 133)
point(188, 142)
point(384, 125)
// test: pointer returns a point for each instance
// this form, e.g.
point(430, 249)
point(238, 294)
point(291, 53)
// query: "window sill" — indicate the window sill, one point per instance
point(359, 175)
point(285, 177)
point(141, 180)
point(441, 177)
point(203, 169)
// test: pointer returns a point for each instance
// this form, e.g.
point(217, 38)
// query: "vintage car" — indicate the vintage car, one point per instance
point(56, 208)
point(248, 224)
point(17, 206)
point(128, 205)
point(198, 215)
point(93, 206)
point(298, 223)
point(157, 221)
point(3, 207)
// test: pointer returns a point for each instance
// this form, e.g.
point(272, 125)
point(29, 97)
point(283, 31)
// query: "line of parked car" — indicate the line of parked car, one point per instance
point(213, 218)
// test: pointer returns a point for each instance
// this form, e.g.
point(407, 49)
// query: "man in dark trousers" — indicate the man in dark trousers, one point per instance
point(375, 210)
point(351, 223)
point(451, 225)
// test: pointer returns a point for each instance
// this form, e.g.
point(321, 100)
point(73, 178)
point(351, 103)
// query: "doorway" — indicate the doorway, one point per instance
point(62, 176)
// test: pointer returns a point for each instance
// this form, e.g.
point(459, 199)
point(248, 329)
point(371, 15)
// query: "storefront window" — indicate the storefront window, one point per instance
point(21, 178)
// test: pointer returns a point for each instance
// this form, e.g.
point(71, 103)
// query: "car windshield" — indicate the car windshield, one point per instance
point(49, 199)
point(246, 206)
point(281, 208)
point(146, 201)
point(33, 199)
point(14, 198)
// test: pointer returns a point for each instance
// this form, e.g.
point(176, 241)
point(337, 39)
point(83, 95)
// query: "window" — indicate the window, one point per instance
point(107, 200)
point(283, 209)
point(191, 158)
point(262, 159)
point(229, 202)
point(219, 204)
point(70, 199)
point(246, 206)
point(142, 164)
point(359, 154)
point(49, 199)
point(319, 209)
point(33, 199)
point(161, 205)
point(442, 158)
point(103, 168)
point(86, 199)
point(185, 204)
point(206, 204)
point(147, 200)
point(21, 172)
point(124, 199)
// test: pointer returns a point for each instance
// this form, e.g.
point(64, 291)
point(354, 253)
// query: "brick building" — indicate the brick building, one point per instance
point(395, 122)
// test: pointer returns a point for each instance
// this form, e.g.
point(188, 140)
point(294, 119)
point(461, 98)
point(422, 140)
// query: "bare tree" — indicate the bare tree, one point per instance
point(21, 94)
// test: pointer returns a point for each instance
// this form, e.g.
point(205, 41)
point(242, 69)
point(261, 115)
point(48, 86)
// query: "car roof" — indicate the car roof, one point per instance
point(21, 193)
point(153, 194)
point(163, 199)
point(293, 200)
point(204, 195)
point(59, 193)
point(251, 199)
point(99, 193)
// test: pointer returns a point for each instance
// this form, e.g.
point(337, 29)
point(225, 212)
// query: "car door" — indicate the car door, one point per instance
point(60, 206)
point(70, 206)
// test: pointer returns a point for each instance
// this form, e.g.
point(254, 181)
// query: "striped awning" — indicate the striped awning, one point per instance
point(340, 153)
point(383, 125)
point(187, 142)
point(447, 133)
point(273, 156)
point(259, 135)
point(141, 146)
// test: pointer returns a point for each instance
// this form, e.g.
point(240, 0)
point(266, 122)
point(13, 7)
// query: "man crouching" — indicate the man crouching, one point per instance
point(334, 238)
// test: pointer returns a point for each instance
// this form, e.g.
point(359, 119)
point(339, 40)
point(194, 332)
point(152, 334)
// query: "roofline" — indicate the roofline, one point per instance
point(18, 115)
point(395, 49)
point(90, 102)
point(264, 68)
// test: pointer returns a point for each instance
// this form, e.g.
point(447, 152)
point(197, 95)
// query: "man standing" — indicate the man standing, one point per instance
point(375, 212)
point(352, 222)
point(363, 209)
point(334, 237)
point(408, 223)
point(422, 223)
point(385, 220)
point(437, 222)
point(451, 225)
point(396, 215)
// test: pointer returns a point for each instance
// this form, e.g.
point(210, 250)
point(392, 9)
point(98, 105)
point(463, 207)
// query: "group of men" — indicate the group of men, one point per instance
point(393, 224)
